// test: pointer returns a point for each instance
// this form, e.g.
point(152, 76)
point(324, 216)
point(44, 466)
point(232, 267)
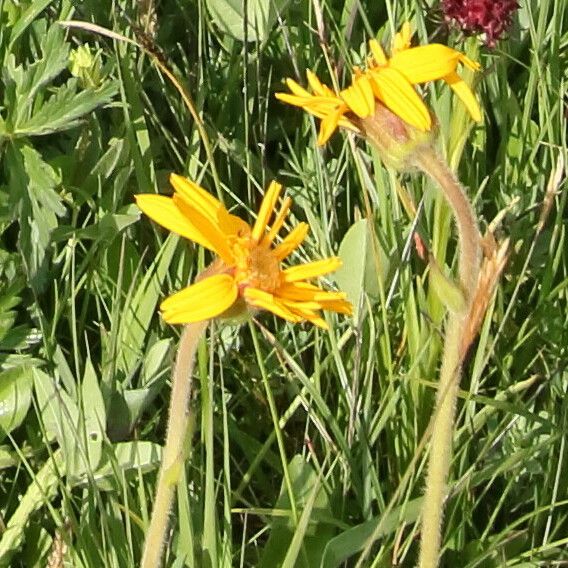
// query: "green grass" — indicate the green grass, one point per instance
point(85, 359)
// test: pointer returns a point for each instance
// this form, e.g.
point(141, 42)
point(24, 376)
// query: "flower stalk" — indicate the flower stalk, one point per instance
point(450, 373)
point(174, 450)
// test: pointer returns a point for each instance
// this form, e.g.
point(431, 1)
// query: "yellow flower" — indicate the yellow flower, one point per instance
point(324, 104)
point(248, 266)
point(388, 83)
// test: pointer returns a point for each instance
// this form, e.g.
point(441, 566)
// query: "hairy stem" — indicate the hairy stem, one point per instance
point(174, 454)
point(444, 415)
point(428, 160)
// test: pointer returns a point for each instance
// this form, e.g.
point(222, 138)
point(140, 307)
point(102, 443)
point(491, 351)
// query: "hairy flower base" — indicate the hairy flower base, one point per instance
point(396, 141)
point(247, 273)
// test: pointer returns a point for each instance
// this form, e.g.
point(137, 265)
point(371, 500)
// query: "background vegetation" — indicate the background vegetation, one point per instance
point(86, 122)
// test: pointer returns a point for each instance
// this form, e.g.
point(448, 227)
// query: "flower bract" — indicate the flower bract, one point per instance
point(247, 271)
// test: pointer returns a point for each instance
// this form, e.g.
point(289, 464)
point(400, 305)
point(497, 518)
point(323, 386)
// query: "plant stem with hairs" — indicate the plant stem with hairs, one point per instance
point(450, 373)
point(174, 454)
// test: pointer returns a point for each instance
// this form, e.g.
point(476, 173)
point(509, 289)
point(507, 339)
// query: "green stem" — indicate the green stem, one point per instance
point(174, 455)
point(450, 373)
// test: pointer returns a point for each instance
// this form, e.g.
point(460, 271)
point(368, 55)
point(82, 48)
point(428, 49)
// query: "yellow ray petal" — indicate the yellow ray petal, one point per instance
point(426, 63)
point(462, 90)
point(473, 65)
point(165, 212)
point(317, 86)
point(378, 52)
point(231, 225)
point(266, 209)
point(292, 241)
point(212, 236)
point(339, 306)
point(311, 269)
point(400, 97)
point(329, 124)
point(306, 292)
point(402, 38)
point(297, 89)
point(318, 321)
point(311, 315)
point(265, 301)
point(292, 99)
point(196, 196)
point(299, 306)
point(359, 97)
point(206, 299)
point(278, 222)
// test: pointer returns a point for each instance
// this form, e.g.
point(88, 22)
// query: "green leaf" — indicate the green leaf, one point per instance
point(60, 416)
point(24, 21)
point(358, 275)
point(94, 414)
point(154, 360)
point(353, 540)
point(15, 398)
point(314, 532)
point(64, 109)
point(142, 308)
point(104, 230)
point(449, 293)
point(24, 83)
point(36, 205)
point(41, 490)
point(126, 457)
point(261, 15)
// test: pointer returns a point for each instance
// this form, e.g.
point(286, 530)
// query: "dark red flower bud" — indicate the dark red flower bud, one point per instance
point(489, 17)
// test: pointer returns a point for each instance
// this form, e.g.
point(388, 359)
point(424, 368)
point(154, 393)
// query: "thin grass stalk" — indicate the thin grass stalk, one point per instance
point(450, 373)
point(174, 451)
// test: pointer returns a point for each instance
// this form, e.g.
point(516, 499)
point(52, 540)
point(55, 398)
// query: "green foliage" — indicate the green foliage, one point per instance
point(86, 122)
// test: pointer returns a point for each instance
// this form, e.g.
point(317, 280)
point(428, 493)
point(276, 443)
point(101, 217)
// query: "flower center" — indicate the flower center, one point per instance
point(256, 266)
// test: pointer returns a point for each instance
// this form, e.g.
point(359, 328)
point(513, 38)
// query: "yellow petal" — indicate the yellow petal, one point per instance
point(304, 291)
point(400, 97)
point(292, 99)
point(265, 301)
point(311, 269)
point(266, 210)
point(299, 306)
point(292, 241)
point(297, 89)
point(204, 300)
point(308, 296)
point(208, 206)
point(339, 306)
point(318, 87)
point(402, 39)
point(378, 52)
point(359, 97)
point(317, 320)
point(278, 222)
point(462, 90)
point(165, 212)
point(473, 65)
point(231, 225)
point(212, 237)
point(196, 196)
point(311, 315)
point(426, 63)
point(328, 125)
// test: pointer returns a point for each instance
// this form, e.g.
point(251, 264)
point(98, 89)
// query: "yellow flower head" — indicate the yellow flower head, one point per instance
point(387, 82)
point(248, 266)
